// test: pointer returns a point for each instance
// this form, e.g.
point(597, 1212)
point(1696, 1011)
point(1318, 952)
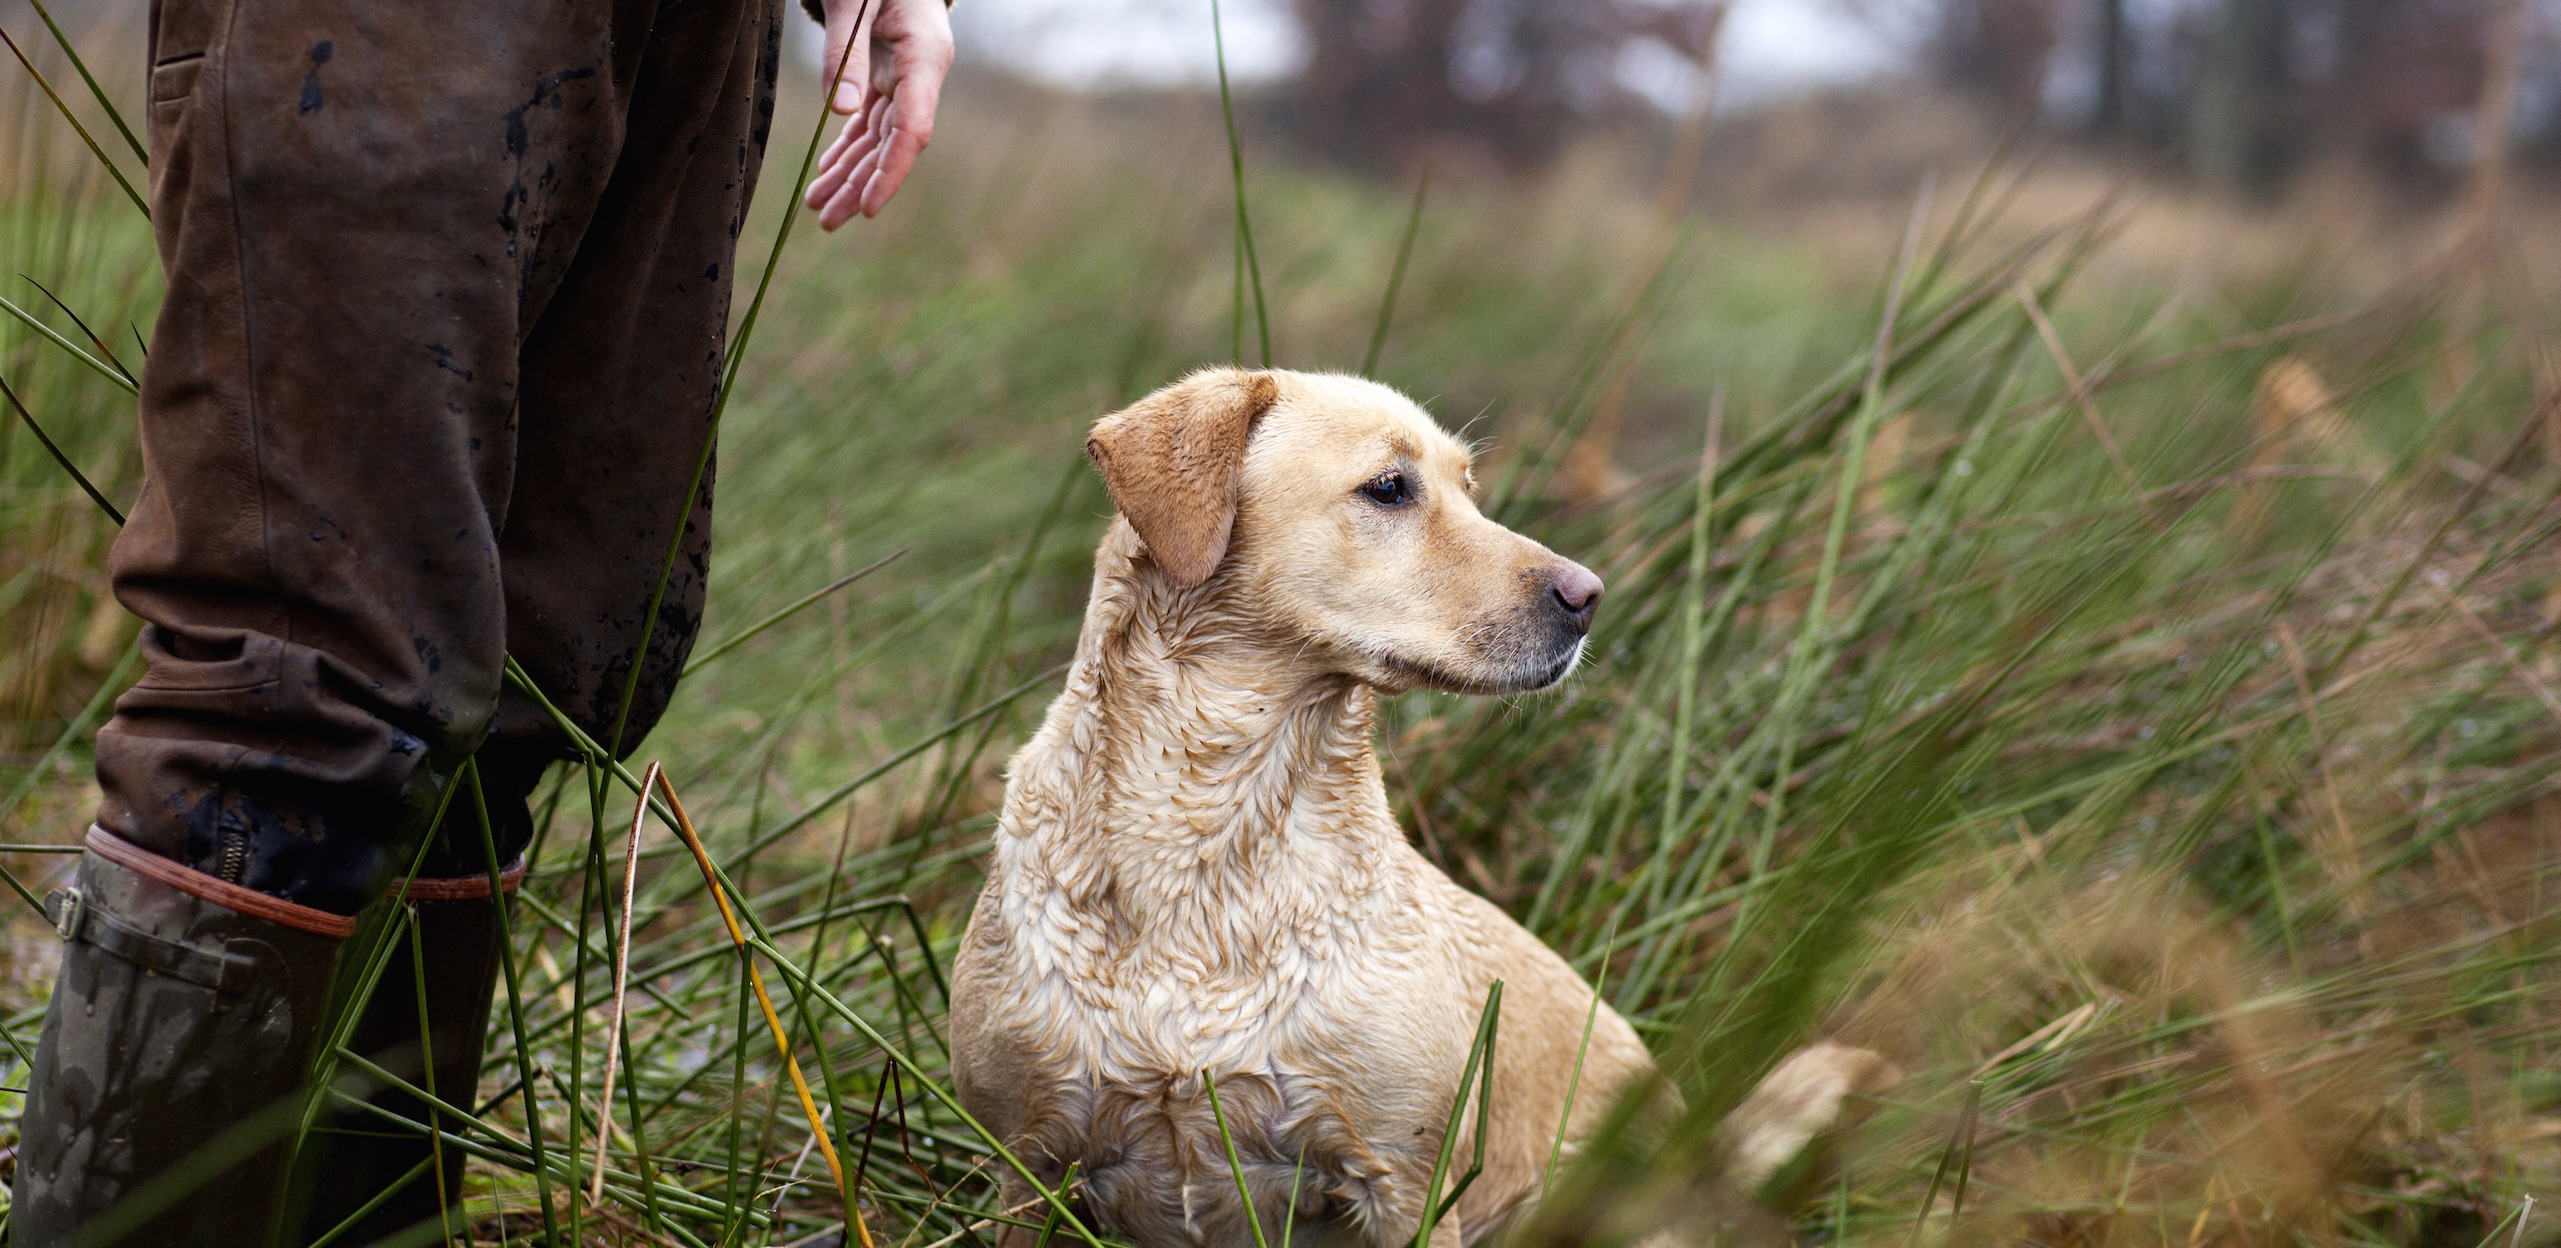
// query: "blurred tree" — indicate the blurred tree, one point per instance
point(2245, 128)
point(2107, 108)
point(2410, 80)
point(2000, 48)
point(1394, 82)
point(2243, 92)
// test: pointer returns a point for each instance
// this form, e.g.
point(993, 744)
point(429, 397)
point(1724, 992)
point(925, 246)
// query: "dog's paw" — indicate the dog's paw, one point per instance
point(1801, 1099)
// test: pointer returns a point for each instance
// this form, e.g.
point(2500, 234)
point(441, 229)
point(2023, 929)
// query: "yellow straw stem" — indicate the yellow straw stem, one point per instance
point(756, 979)
point(622, 982)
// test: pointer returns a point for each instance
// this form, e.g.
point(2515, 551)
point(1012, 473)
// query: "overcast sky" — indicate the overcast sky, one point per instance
point(1771, 47)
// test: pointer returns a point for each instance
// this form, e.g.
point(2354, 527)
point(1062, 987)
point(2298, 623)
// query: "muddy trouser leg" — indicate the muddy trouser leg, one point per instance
point(617, 382)
point(447, 287)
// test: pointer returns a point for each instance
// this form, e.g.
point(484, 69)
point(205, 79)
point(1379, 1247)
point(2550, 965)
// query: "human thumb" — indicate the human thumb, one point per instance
point(844, 61)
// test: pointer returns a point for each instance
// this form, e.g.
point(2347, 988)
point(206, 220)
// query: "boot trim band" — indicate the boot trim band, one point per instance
point(458, 887)
point(76, 918)
point(220, 892)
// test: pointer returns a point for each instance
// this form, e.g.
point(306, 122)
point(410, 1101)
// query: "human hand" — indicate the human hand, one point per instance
point(892, 79)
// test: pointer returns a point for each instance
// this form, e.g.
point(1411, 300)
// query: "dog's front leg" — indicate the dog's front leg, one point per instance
point(1810, 1093)
point(1020, 1204)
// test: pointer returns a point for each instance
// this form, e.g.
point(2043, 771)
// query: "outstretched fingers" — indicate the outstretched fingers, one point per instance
point(890, 117)
point(911, 127)
point(837, 194)
point(835, 170)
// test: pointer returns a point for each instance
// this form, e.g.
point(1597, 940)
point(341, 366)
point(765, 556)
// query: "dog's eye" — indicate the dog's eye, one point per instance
point(1389, 489)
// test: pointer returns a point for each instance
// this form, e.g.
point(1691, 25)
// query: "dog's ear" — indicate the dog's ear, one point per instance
point(1172, 459)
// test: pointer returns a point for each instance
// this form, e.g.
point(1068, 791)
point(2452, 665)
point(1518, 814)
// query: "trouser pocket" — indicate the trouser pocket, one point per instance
point(183, 33)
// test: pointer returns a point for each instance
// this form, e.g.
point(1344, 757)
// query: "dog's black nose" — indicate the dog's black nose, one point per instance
point(1578, 591)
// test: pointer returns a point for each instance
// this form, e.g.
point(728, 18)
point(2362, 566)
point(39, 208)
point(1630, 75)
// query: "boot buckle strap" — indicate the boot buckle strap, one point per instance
point(65, 907)
point(75, 918)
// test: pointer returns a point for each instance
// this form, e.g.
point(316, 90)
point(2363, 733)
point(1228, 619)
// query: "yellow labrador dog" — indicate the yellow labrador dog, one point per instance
point(1196, 869)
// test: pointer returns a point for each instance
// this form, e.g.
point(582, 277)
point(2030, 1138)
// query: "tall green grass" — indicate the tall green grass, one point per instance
point(2134, 718)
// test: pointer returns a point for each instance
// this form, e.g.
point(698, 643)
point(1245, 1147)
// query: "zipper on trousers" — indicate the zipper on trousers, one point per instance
point(231, 856)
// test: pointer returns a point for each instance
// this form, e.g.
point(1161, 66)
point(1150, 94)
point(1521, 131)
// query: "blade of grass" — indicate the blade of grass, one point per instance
point(1962, 1137)
point(1528, 473)
point(2077, 389)
point(82, 478)
point(765, 1001)
point(1485, 1037)
point(1574, 1080)
point(1227, 1140)
point(85, 331)
point(98, 702)
point(349, 1008)
point(622, 977)
point(1289, 1216)
point(1965, 1159)
point(96, 92)
point(1236, 169)
point(83, 131)
point(100, 367)
point(1049, 1224)
point(515, 998)
point(1803, 660)
point(499, 1148)
point(802, 981)
point(1480, 1057)
point(836, 1005)
point(427, 1059)
point(380, 1198)
point(1693, 620)
point(2543, 416)
point(812, 598)
point(1396, 277)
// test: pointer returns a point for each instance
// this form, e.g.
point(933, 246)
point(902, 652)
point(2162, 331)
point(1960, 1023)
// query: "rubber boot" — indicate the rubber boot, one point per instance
point(356, 1154)
point(171, 1075)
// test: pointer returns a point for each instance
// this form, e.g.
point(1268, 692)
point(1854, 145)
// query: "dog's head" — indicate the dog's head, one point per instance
point(1335, 514)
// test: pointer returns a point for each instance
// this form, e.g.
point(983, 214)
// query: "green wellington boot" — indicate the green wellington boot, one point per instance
point(171, 1073)
point(355, 1154)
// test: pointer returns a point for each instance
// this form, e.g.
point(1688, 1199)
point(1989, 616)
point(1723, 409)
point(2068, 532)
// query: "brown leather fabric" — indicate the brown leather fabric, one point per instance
point(458, 887)
point(222, 893)
point(447, 292)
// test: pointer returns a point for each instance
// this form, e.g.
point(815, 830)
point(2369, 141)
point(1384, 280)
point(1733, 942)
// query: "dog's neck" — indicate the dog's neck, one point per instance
point(1194, 756)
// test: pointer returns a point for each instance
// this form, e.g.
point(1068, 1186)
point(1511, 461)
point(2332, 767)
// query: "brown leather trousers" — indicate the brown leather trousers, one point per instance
point(447, 293)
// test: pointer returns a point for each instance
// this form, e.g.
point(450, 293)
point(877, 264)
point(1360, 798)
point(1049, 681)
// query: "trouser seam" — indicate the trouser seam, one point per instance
point(253, 408)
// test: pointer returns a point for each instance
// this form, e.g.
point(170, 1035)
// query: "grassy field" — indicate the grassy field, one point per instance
point(2130, 706)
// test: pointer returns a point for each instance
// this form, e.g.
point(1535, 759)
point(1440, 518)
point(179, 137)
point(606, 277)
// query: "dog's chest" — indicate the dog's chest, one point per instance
point(1137, 976)
point(1226, 899)
point(1306, 1003)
